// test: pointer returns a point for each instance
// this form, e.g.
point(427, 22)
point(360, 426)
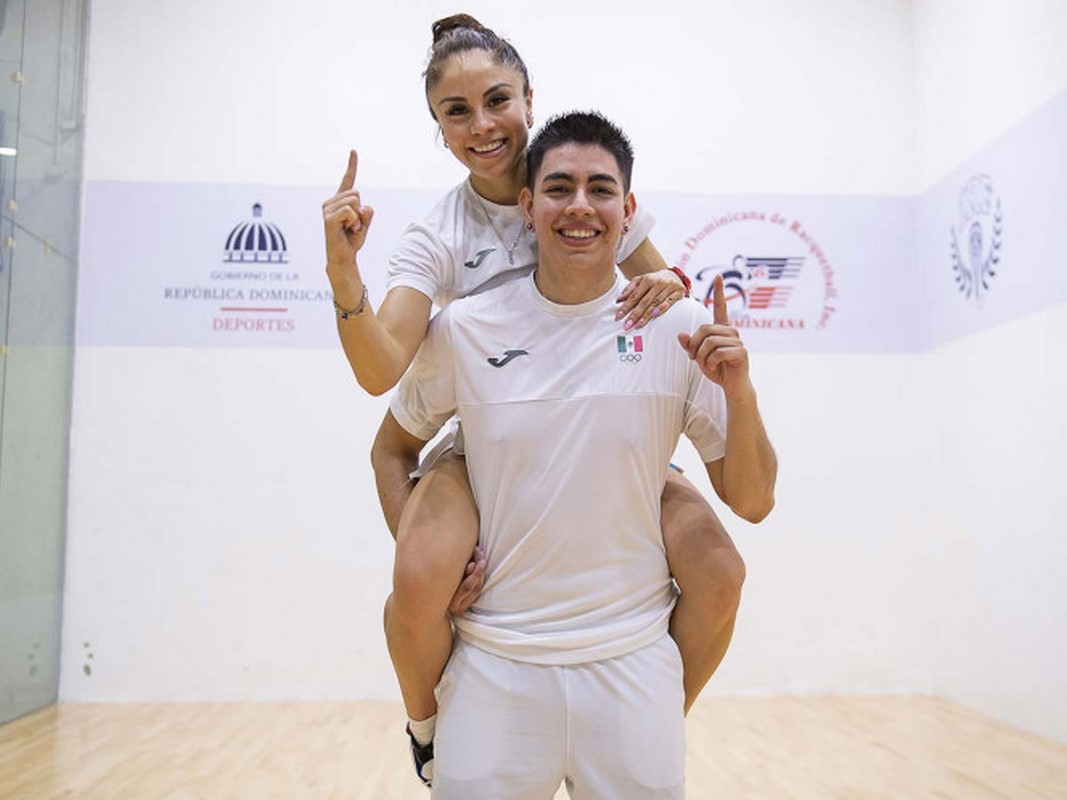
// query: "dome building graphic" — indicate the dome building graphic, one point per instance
point(256, 241)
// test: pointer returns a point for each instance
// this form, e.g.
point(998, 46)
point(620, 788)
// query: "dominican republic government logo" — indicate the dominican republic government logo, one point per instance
point(630, 348)
point(255, 290)
point(256, 241)
point(976, 238)
point(775, 273)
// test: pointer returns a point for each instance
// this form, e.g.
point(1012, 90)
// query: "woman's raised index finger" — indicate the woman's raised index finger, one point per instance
point(349, 180)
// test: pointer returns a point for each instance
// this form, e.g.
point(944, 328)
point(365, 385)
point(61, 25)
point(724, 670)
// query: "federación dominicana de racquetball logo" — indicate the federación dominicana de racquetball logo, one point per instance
point(775, 273)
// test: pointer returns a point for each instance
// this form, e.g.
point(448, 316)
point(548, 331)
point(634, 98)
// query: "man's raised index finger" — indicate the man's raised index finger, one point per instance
point(349, 180)
point(722, 316)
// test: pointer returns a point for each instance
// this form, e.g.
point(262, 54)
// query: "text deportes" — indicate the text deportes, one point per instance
point(252, 325)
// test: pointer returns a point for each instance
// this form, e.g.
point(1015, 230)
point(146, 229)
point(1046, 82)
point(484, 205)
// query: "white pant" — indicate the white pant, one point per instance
point(613, 729)
point(451, 439)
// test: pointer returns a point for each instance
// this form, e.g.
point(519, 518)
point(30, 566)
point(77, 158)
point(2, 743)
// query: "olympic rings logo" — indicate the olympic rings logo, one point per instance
point(631, 358)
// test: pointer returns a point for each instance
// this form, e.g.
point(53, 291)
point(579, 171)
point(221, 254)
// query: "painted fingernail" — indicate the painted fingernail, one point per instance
point(629, 324)
point(655, 312)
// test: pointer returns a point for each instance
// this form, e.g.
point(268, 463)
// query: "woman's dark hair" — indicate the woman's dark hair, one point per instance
point(462, 32)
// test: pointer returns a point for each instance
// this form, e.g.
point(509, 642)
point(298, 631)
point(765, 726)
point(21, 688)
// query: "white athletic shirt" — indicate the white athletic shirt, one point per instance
point(460, 247)
point(568, 441)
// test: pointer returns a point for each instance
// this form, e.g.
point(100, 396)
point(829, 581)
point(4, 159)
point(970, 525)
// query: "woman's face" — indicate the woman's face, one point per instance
point(484, 115)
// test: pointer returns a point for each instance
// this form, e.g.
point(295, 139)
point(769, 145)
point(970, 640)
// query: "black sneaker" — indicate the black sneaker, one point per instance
point(422, 755)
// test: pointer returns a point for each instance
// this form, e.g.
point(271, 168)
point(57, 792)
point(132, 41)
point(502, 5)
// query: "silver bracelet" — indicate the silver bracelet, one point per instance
point(345, 313)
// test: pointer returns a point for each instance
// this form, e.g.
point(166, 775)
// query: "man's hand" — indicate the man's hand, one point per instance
point(472, 584)
point(718, 350)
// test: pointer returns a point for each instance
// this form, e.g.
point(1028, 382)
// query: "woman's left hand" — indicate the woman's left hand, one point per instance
point(647, 296)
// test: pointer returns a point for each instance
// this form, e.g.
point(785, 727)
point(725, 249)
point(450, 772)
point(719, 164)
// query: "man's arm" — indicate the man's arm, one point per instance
point(745, 477)
point(394, 456)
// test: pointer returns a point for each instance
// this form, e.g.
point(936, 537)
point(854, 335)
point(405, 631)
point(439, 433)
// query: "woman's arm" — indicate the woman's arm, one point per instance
point(379, 346)
point(646, 258)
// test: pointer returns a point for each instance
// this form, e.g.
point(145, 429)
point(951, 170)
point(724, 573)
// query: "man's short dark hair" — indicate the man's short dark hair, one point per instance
point(580, 127)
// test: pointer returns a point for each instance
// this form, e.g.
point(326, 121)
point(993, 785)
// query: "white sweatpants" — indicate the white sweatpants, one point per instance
point(612, 730)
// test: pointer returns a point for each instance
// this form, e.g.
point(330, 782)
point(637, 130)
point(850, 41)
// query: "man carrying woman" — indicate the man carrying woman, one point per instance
point(478, 93)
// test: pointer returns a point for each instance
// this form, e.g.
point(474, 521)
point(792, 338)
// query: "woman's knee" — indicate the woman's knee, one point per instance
point(429, 564)
point(728, 569)
point(702, 556)
point(423, 582)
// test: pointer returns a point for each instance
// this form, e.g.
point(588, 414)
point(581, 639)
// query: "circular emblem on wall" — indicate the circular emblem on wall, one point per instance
point(977, 237)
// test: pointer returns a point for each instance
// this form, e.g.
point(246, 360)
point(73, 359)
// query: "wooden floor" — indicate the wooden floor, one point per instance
point(903, 748)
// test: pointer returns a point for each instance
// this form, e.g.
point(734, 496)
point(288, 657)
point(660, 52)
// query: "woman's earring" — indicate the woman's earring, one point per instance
point(529, 226)
point(625, 228)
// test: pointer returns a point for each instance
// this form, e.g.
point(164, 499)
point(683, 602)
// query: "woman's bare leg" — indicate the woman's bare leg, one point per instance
point(437, 533)
point(709, 572)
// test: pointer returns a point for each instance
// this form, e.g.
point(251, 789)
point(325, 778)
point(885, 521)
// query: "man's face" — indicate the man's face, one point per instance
point(578, 207)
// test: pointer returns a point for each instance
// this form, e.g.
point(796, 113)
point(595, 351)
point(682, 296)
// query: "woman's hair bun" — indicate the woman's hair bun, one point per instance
point(444, 26)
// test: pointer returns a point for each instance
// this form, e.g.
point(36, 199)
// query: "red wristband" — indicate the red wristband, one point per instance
point(685, 279)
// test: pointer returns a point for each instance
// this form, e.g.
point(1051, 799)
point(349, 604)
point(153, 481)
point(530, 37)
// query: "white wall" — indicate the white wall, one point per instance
point(991, 404)
point(996, 554)
point(224, 536)
point(828, 605)
point(980, 66)
point(765, 95)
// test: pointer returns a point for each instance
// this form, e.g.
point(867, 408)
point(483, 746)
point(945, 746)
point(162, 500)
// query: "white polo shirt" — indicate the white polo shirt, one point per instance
point(460, 248)
point(569, 425)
